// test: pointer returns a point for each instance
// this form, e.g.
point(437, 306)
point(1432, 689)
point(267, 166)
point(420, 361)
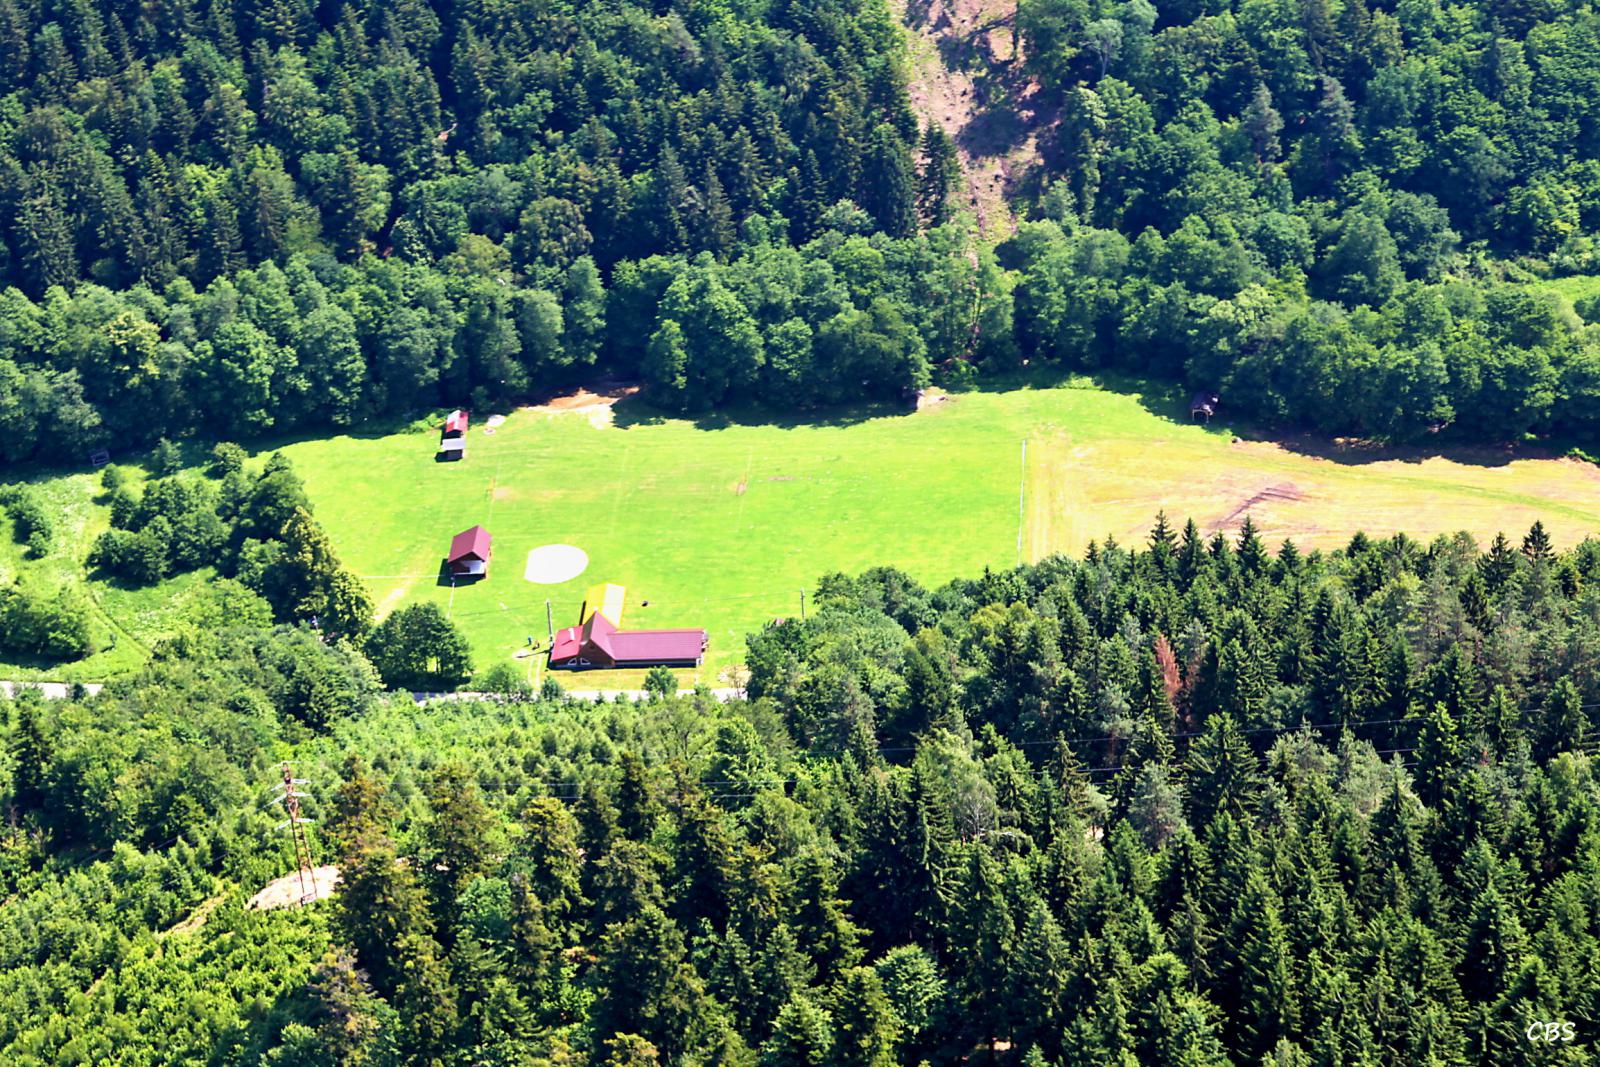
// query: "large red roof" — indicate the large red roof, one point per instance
point(635, 645)
point(627, 646)
point(470, 544)
point(456, 422)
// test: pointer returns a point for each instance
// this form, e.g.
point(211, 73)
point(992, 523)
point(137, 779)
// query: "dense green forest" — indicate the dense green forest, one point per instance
point(226, 219)
point(1201, 802)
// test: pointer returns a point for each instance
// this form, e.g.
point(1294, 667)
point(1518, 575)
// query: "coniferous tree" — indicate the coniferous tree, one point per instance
point(888, 185)
point(31, 755)
point(938, 177)
point(1220, 771)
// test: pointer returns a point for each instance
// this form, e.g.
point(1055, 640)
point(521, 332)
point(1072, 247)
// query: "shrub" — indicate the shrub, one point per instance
point(138, 558)
point(49, 625)
point(124, 507)
point(505, 680)
point(660, 683)
point(166, 458)
point(30, 520)
point(113, 477)
point(227, 458)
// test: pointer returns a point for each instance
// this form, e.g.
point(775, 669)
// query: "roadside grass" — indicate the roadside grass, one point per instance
point(722, 523)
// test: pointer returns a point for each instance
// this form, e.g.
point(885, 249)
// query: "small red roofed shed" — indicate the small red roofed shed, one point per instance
point(455, 423)
point(469, 553)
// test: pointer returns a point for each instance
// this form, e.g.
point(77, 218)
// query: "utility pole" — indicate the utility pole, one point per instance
point(550, 621)
point(802, 605)
point(296, 823)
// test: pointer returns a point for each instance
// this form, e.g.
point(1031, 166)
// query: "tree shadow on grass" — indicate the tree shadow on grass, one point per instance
point(1171, 402)
point(369, 430)
point(635, 411)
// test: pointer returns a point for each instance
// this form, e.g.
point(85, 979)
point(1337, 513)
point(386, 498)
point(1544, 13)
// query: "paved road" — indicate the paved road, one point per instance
point(51, 690)
point(63, 690)
point(723, 694)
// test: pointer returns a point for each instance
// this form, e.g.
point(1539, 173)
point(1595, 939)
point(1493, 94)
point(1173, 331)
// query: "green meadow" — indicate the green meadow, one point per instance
point(125, 620)
point(721, 524)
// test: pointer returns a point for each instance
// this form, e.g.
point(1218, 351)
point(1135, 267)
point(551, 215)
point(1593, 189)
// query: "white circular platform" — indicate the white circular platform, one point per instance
point(554, 564)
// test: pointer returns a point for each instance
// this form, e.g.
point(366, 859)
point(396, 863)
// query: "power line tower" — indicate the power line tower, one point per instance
point(296, 823)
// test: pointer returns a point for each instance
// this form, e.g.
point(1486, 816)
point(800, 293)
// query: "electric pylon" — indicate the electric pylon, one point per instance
point(290, 799)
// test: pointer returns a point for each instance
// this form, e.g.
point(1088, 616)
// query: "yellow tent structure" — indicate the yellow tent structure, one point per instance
point(606, 599)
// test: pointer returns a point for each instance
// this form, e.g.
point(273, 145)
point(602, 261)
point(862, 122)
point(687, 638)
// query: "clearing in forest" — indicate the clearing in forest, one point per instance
point(721, 524)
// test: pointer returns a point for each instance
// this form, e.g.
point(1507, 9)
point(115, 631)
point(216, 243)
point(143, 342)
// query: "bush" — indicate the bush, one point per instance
point(505, 680)
point(1588, 308)
point(124, 507)
point(660, 683)
point(227, 458)
point(166, 458)
point(113, 477)
point(136, 558)
point(177, 525)
point(30, 520)
point(51, 626)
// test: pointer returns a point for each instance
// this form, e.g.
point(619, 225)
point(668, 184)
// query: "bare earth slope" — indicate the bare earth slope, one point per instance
point(966, 76)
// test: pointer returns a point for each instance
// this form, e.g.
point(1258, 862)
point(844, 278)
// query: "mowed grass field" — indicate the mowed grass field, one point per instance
point(722, 525)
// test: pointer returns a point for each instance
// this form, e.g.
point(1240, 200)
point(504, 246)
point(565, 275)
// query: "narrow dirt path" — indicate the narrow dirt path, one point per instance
point(966, 75)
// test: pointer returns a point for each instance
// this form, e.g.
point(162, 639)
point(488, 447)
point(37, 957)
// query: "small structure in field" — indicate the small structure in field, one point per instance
point(453, 442)
point(597, 643)
point(1204, 404)
point(469, 553)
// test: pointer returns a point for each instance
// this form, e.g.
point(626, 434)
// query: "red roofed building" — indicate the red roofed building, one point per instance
point(469, 553)
point(453, 442)
point(598, 643)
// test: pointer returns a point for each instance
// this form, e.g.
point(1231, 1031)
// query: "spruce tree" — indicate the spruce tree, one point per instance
point(865, 1027)
point(938, 176)
point(31, 755)
point(1221, 772)
point(888, 187)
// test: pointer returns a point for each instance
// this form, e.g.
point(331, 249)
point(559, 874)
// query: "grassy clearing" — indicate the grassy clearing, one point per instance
point(721, 526)
point(124, 620)
point(1576, 288)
